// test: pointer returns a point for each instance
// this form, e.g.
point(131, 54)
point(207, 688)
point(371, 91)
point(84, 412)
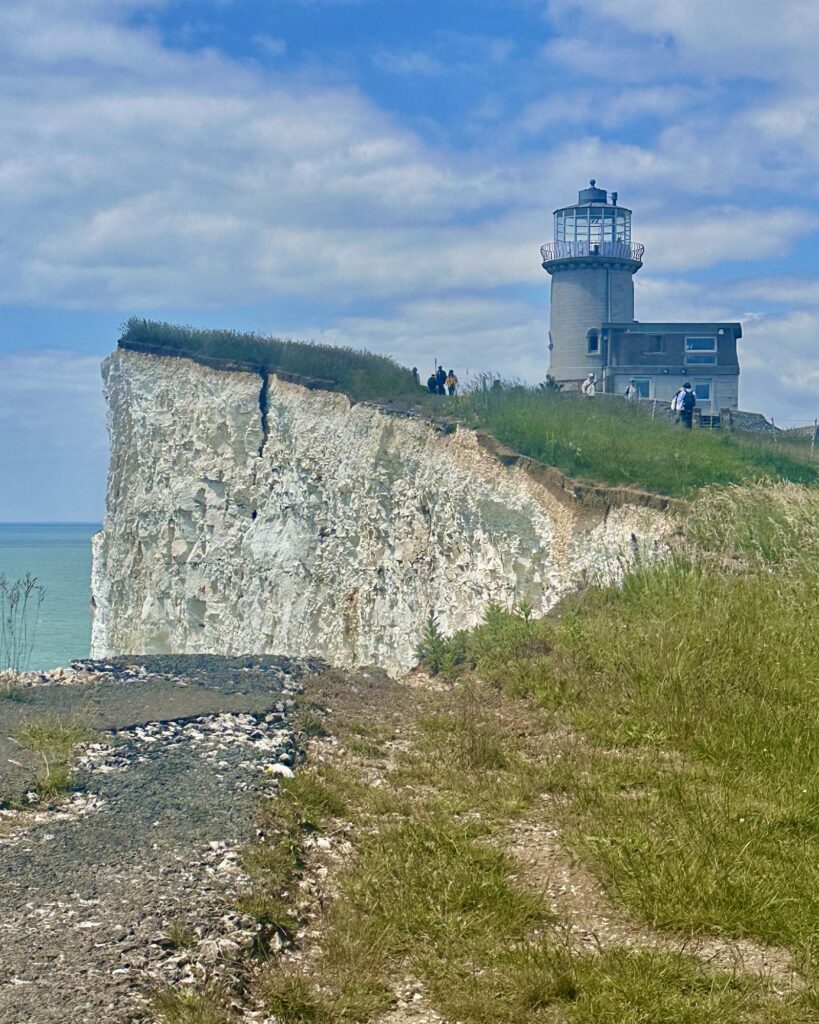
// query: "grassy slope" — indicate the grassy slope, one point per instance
point(615, 442)
point(605, 441)
point(695, 688)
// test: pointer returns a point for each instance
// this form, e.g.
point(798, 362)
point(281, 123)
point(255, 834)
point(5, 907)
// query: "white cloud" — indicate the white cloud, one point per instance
point(270, 45)
point(154, 177)
point(468, 333)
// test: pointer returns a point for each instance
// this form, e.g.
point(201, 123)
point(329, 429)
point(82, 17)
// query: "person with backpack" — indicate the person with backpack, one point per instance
point(440, 378)
point(589, 386)
point(682, 404)
point(631, 393)
point(451, 383)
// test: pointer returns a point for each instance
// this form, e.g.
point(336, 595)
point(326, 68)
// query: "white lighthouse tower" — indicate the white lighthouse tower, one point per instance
point(592, 262)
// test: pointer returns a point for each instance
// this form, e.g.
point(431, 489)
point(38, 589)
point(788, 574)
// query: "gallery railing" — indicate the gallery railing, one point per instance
point(618, 250)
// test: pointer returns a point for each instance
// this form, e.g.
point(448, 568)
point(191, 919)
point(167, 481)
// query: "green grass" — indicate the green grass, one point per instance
point(275, 861)
point(55, 739)
point(695, 686)
point(428, 898)
point(619, 443)
point(361, 375)
point(189, 1006)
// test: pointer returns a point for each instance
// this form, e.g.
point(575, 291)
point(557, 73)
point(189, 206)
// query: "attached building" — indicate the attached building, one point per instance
point(592, 263)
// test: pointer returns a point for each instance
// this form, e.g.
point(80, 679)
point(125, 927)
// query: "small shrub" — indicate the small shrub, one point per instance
point(432, 649)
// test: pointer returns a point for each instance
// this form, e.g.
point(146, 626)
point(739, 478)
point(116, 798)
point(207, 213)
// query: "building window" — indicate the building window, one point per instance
point(643, 385)
point(653, 343)
point(593, 341)
point(704, 392)
point(700, 351)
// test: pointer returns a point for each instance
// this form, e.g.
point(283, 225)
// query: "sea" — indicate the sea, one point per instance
point(59, 555)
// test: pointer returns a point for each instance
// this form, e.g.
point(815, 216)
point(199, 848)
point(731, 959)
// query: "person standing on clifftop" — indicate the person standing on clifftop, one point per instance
point(440, 378)
point(432, 383)
point(589, 386)
point(683, 403)
point(415, 376)
point(451, 383)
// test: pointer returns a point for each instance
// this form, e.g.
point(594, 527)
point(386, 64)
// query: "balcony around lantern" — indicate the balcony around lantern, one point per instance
point(613, 250)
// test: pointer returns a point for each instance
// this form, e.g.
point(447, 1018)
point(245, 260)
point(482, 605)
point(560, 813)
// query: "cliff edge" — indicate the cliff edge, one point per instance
point(247, 513)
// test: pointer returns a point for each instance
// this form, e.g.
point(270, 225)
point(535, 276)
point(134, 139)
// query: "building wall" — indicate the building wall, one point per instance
point(586, 294)
point(639, 348)
point(651, 351)
point(663, 387)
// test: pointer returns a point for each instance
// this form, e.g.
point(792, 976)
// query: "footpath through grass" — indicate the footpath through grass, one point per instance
point(605, 441)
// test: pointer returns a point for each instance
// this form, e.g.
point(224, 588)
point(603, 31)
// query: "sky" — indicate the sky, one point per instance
point(381, 174)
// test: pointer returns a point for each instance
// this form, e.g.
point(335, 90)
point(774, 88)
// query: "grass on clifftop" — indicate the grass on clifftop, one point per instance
point(605, 441)
point(615, 442)
point(362, 375)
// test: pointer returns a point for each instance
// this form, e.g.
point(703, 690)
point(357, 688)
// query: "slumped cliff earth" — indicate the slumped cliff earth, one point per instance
point(390, 722)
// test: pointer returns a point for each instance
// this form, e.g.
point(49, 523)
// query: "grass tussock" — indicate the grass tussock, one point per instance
point(191, 1006)
point(55, 739)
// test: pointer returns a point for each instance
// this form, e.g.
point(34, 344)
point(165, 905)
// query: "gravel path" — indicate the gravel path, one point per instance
point(94, 895)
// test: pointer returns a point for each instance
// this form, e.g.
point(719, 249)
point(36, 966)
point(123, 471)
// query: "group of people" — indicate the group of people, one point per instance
point(439, 381)
point(682, 404)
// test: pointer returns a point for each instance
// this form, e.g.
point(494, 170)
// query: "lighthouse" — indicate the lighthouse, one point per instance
point(592, 262)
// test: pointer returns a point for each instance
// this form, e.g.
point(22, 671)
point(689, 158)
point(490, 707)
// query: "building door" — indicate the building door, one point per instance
point(643, 385)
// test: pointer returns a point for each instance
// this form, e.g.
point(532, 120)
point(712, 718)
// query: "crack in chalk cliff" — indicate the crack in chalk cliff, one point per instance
point(263, 397)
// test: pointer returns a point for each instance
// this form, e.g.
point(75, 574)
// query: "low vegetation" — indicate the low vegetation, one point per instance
point(54, 739)
point(616, 442)
point(362, 375)
point(605, 440)
point(689, 696)
point(20, 603)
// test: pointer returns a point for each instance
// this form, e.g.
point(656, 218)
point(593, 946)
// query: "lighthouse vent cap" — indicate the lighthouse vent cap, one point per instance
point(592, 194)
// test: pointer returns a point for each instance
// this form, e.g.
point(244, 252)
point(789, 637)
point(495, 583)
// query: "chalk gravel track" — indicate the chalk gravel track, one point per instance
point(96, 894)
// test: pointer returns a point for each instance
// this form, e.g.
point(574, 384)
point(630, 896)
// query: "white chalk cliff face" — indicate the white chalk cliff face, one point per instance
point(332, 530)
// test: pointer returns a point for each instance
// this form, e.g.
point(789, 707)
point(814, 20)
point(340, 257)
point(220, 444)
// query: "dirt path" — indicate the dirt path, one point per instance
point(130, 884)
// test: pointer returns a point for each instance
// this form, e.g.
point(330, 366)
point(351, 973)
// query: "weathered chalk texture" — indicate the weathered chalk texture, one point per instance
point(331, 530)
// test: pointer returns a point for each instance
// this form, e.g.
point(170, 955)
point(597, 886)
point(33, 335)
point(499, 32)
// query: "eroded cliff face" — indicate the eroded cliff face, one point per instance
point(320, 528)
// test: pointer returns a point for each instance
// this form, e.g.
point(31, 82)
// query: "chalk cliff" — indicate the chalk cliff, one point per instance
point(251, 515)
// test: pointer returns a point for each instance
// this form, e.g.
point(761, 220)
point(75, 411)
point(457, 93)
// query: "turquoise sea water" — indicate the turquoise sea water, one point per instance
point(59, 555)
